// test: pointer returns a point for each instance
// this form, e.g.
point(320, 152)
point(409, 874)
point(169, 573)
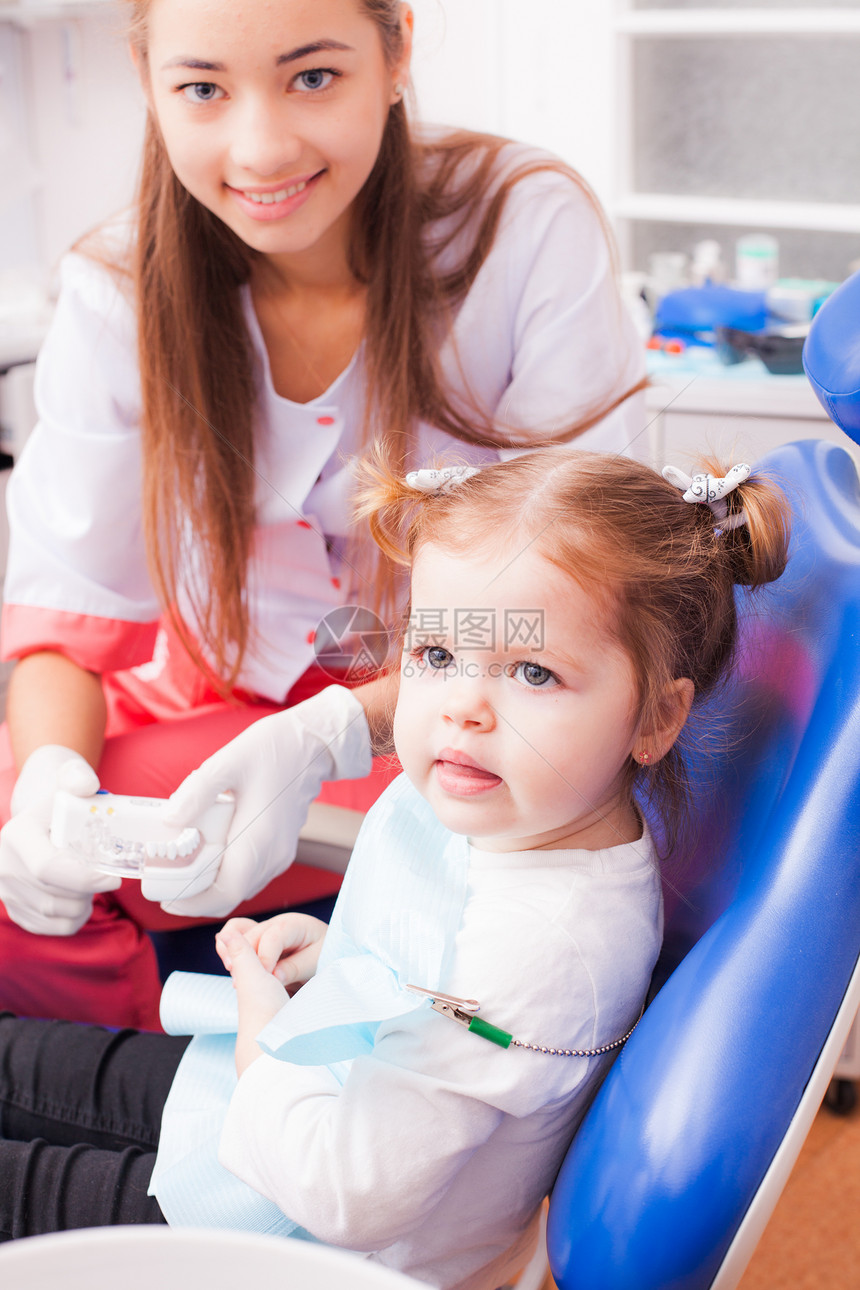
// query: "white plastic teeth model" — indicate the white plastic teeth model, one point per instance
point(127, 837)
point(185, 845)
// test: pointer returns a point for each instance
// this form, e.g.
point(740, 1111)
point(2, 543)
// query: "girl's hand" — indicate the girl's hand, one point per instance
point(260, 996)
point(289, 946)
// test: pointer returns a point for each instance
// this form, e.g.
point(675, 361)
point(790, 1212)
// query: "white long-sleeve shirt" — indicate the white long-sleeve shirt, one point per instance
point(435, 1151)
point(539, 340)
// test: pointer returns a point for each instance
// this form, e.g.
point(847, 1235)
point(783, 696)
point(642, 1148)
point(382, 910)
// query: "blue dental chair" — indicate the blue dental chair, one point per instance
point(679, 1163)
point(683, 1155)
point(831, 356)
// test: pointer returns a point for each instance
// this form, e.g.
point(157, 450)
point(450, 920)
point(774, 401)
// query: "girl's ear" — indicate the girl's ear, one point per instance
point(651, 745)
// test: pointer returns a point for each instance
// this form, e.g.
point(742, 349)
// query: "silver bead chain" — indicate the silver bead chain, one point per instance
point(575, 1052)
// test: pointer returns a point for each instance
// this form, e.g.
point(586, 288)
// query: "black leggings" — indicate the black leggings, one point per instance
point(80, 1114)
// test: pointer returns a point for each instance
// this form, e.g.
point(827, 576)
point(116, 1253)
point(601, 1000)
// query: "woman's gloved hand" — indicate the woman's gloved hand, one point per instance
point(46, 890)
point(274, 769)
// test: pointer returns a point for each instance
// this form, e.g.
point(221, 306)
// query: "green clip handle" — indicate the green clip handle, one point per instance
point(493, 1033)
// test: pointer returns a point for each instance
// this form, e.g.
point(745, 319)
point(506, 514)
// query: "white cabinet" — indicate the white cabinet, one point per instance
point(739, 116)
point(733, 419)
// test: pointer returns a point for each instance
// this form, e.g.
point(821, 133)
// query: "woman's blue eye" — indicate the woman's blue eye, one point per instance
point(533, 674)
point(315, 78)
point(202, 92)
point(437, 656)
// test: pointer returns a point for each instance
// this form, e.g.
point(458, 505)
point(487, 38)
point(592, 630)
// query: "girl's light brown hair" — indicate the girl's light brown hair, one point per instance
point(661, 569)
point(197, 363)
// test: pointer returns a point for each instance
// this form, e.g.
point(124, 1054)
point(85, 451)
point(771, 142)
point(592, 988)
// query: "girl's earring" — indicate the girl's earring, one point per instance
point(398, 90)
point(644, 757)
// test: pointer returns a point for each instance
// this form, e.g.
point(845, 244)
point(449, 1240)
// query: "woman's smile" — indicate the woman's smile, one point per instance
point(272, 204)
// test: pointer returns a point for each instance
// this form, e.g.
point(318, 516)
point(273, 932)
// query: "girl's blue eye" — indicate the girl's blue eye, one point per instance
point(533, 674)
point(202, 92)
point(437, 656)
point(315, 78)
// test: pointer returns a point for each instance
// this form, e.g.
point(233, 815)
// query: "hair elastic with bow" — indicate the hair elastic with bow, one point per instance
point(712, 491)
point(436, 483)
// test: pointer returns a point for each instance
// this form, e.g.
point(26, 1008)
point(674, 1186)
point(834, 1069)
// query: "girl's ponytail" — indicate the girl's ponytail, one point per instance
point(741, 518)
point(394, 505)
point(757, 550)
point(382, 497)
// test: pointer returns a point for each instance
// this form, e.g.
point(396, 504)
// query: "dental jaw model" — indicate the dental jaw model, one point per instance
point(127, 837)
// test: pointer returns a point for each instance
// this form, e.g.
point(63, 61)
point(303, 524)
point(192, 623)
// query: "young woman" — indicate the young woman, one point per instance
point(300, 272)
point(508, 871)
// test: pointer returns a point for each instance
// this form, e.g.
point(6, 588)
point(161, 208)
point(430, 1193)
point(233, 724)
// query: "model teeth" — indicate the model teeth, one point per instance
point(188, 841)
point(268, 199)
point(184, 845)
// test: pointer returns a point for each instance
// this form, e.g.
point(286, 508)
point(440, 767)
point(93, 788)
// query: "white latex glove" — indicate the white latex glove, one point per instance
point(274, 769)
point(46, 890)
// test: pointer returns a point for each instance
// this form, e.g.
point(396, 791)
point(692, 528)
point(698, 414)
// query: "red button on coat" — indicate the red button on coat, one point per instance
point(325, 421)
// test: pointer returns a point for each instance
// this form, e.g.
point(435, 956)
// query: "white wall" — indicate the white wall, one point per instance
point(536, 70)
point(72, 156)
point(87, 126)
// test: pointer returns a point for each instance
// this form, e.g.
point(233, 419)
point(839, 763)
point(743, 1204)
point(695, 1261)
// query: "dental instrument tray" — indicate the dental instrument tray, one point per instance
point(128, 838)
point(780, 347)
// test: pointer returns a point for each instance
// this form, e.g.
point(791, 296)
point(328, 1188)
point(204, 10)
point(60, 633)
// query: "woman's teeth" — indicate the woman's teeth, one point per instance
point(267, 199)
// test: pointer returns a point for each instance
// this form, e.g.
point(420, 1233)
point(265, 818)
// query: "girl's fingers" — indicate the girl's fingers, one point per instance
point(222, 951)
point(232, 947)
point(299, 967)
point(239, 958)
point(246, 927)
point(286, 946)
point(280, 936)
point(285, 935)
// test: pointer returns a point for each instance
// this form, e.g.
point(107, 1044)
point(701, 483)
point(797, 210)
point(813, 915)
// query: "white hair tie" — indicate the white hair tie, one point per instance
point(435, 483)
point(712, 491)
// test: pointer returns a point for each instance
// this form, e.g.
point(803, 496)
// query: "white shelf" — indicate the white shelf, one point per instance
point(820, 217)
point(787, 397)
point(738, 22)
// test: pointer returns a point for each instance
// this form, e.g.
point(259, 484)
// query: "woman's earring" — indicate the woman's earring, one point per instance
point(398, 90)
point(644, 757)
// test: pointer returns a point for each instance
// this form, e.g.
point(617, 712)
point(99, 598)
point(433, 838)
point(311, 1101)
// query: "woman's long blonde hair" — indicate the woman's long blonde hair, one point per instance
point(197, 363)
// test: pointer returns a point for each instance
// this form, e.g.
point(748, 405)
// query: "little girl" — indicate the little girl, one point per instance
point(494, 940)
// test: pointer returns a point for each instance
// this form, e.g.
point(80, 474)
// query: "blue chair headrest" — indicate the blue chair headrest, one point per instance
point(831, 356)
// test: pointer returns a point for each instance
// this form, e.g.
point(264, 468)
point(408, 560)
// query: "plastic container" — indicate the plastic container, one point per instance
point(756, 261)
point(790, 304)
point(707, 263)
